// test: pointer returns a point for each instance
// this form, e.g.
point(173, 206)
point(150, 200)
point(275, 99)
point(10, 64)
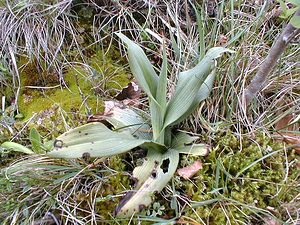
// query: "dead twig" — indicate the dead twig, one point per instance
point(268, 64)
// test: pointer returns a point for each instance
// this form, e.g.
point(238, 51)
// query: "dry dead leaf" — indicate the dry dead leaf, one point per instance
point(131, 91)
point(289, 135)
point(128, 96)
point(108, 107)
point(189, 171)
point(223, 40)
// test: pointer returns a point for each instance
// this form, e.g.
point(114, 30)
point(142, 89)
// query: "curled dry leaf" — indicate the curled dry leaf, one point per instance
point(289, 128)
point(108, 108)
point(131, 91)
point(189, 171)
point(128, 96)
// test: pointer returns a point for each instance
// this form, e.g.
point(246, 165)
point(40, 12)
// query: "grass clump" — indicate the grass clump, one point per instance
point(36, 187)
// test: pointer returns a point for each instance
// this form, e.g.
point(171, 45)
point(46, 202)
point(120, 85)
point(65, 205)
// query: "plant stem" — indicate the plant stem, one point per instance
point(268, 64)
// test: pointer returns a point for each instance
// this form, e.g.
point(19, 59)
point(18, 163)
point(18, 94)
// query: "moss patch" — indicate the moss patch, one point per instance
point(242, 199)
point(82, 89)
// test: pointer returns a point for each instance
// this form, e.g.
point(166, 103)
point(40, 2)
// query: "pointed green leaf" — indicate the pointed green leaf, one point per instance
point(141, 67)
point(96, 140)
point(158, 112)
point(16, 147)
point(161, 92)
point(36, 141)
point(187, 96)
point(176, 47)
point(202, 94)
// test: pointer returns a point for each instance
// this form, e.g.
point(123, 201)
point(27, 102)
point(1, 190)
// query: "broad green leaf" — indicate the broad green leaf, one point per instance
point(156, 119)
point(206, 87)
point(133, 120)
point(182, 139)
point(189, 83)
point(36, 141)
point(295, 2)
point(161, 174)
point(16, 147)
point(202, 94)
point(295, 21)
point(141, 173)
point(185, 95)
point(96, 140)
point(182, 143)
point(141, 67)
point(194, 149)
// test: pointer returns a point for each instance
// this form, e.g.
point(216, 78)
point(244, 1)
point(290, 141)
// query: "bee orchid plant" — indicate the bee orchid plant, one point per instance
point(131, 127)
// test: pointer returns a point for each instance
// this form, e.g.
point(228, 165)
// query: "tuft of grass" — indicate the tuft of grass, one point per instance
point(41, 189)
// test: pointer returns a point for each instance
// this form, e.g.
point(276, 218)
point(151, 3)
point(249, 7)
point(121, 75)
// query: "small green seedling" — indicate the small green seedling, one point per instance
point(37, 146)
point(133, 128)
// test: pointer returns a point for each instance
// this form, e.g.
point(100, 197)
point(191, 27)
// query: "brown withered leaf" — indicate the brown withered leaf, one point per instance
point(189, 171)
point(288, 134)
point(223, 40)
point(131, 91)
point(270, 221)
point(129, 96)
point(108, 107)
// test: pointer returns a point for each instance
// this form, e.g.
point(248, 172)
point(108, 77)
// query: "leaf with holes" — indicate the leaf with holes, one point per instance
point(96, 140)
point(161, 173)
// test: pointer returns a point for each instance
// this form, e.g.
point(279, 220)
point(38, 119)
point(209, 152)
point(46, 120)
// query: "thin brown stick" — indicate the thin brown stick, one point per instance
point(268, 64)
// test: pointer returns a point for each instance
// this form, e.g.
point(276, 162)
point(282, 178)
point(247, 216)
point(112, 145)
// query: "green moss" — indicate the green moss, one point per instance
point(83, 88)
point(260, 186)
